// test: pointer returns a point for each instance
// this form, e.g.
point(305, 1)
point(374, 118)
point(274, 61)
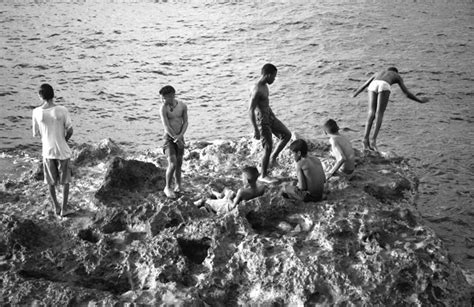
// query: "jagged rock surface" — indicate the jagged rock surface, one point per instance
point(365, 244)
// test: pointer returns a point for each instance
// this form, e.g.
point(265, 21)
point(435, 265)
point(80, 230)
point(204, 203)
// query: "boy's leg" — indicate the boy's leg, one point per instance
point(280, 130)
point(372, 108)
point(170, 151)
point(267, 142)
point(64, 170)
point(382, 101)
point(65, 196)
point(177, 173)
point(292, 192)
point(51, 176)
point(52, 192)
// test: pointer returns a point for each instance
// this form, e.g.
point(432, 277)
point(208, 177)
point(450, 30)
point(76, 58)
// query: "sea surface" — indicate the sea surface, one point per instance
point(107, 61)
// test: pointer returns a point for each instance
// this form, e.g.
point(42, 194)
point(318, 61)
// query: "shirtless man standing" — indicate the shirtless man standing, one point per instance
point(379, 87)
point(174, 116)
point(265, 122)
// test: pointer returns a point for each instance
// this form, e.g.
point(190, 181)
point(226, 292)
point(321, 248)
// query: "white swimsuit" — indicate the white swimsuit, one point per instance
point(379, 86)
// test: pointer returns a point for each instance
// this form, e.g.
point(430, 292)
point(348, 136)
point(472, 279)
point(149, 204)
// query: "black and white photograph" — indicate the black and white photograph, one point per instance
point(236, 153)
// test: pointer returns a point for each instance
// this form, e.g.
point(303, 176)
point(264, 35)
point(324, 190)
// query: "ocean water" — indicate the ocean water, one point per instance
point(107, 61)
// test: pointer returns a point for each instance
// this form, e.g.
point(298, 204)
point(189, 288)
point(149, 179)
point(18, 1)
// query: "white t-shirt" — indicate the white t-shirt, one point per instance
point(52, 125)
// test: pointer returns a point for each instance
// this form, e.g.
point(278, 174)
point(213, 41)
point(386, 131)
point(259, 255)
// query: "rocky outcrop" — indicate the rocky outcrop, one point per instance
point(365, 244)
point(124, 177)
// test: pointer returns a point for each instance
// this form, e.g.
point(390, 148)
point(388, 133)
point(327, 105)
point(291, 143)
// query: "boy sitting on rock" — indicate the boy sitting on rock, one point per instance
point(341, 150)
point(310, 174)
point(228, 200)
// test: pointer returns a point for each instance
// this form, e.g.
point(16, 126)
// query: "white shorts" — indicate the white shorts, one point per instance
point(379, 86)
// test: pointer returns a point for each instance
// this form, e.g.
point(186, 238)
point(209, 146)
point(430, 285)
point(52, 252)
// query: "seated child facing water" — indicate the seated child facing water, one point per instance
point(310, 174)
point(230, 199)
point(341, 149)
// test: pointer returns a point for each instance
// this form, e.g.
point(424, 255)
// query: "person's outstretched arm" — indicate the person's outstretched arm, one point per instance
point(408, 93)
point(363, 86)
point(252, 106)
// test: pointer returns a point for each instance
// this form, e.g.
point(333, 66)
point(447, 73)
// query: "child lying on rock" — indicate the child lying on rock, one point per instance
point(228, 200)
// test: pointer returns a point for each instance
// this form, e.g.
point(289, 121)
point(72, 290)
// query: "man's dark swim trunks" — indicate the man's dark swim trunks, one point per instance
point(170, 148)
point(268, 124)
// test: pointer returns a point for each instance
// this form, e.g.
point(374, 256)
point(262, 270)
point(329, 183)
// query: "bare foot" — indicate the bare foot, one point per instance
point(177, 189)
point(267, 179)
point(374, 145)
point(58, 210)
point(366, 145)
point(274, 163)
point(169, 193)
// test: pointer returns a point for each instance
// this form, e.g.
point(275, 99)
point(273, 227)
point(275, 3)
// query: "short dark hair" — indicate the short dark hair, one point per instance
point(269, 69)
point(252, 173)
point(299, 145)
point(168, 89)
point(393, 69)
point(46, 91)
point(331, 126)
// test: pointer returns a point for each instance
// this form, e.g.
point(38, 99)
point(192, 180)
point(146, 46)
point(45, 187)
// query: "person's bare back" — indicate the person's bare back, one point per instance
point(311, 176)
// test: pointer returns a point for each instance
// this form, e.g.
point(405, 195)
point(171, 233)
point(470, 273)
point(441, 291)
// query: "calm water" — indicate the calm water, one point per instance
point(108, 60)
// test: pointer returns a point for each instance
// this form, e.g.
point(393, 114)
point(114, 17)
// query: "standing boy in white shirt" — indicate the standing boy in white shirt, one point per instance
point(53, 124)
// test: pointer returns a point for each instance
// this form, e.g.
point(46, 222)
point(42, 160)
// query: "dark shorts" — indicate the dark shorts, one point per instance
point(293, 192)
point(274, 126)
point(56, 171)
point(170, 148)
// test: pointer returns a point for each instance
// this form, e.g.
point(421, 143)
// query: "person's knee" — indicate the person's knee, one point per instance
point(172, 161)
point(267, 149)
point(287, 136)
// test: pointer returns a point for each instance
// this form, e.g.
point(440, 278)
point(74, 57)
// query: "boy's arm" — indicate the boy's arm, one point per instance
point(237, 198)
point(68, 126)
point(184, 127)
point(340, 158)
point(253, 105)
point(34, 125)
point(408, 93)
point(361, 88)
point(69, 133)
point(166, 125)
point(301, 178)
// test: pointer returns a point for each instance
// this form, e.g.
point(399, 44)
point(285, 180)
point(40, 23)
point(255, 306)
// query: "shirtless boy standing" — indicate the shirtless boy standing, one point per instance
point(265, 122)
point(310, 173)
point(53, 124)
point(379, 87)
point(174, 116)
point(341, 149)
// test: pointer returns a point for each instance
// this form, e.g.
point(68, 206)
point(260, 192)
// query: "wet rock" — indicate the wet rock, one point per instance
point(86, 153)
point(37, 172)
point(125, 176)
point(389, 189)
point(363, 245)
